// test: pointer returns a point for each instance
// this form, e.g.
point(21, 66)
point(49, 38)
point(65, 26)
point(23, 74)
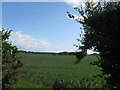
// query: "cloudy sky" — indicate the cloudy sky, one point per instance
point(41, 26)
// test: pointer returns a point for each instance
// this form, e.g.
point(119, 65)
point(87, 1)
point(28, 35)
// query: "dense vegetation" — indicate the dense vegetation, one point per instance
point(101, 26)
point(10, 62)
point(58, 71)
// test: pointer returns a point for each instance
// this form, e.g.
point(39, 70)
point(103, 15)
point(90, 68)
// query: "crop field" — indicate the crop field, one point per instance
point(52, 71)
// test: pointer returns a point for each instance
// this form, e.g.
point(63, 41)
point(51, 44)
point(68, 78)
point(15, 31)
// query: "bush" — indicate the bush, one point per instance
point(10, 62)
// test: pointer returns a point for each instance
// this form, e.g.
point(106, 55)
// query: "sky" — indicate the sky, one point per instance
point(41, 26)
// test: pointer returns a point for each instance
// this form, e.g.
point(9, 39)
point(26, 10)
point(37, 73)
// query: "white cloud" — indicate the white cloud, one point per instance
point(29, 43)
point(78, 18)
point(91, 52)
point(26, 42)
point(74, 3)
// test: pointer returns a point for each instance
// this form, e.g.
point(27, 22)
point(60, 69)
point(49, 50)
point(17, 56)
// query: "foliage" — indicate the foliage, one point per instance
point(101, 25)
point(10, 62)
point(79, 56)
point(82, 83)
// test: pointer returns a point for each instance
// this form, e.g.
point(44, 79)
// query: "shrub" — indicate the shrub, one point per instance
point(10, 62)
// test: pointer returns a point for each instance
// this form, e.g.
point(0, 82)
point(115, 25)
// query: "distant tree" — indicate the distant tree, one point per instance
point(101, 25)
point(10, 62)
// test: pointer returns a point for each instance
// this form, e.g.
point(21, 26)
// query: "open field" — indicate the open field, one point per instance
point(59, 71)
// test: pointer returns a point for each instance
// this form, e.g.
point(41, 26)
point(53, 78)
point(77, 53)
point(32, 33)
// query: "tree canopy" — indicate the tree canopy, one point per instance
point(101, 25)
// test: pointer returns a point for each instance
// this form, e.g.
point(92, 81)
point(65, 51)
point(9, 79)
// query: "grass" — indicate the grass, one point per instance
point(43, 69)
point(22, 83)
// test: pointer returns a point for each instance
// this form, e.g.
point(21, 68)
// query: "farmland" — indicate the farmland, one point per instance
point(51, 71)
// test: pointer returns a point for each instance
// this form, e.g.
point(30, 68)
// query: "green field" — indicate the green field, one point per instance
point(42, 71)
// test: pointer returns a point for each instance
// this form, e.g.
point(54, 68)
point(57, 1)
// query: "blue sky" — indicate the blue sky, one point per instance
point(46, 21)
